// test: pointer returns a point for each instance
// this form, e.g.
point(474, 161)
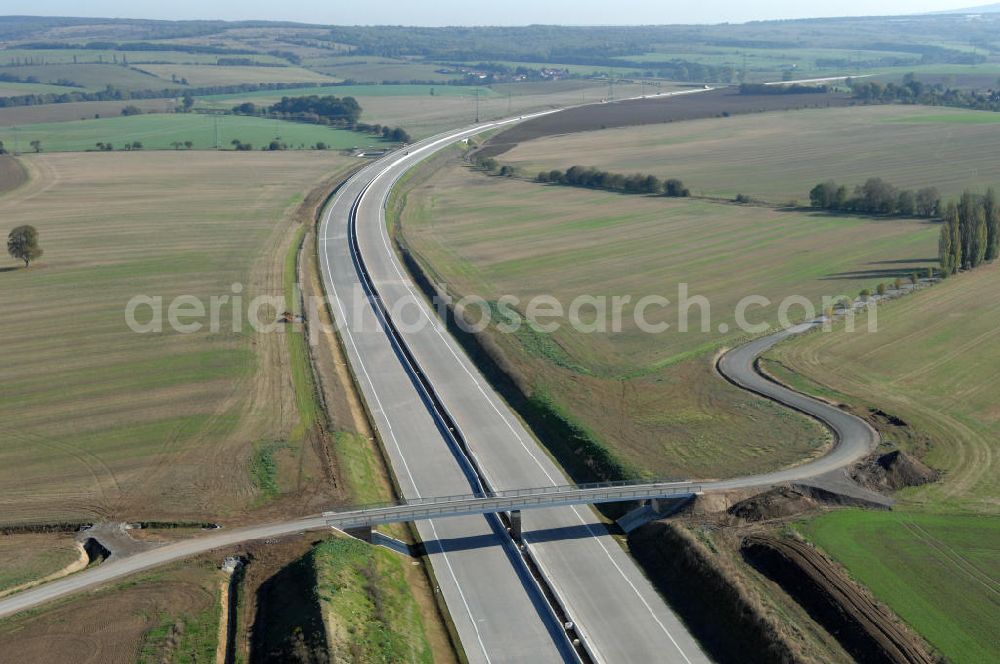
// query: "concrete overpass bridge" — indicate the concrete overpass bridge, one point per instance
point(359, 521)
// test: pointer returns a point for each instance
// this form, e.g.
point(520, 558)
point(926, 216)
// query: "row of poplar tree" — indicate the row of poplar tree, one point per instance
point(970, 234)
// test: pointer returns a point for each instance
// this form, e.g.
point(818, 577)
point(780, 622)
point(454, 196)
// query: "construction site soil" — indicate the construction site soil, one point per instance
point(655, 110)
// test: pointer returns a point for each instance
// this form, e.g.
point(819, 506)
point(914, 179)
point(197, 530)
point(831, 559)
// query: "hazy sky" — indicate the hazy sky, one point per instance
point(477, 12)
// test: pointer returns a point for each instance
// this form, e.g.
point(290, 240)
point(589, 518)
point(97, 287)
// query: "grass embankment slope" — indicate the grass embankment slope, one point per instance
point(654, 399)
point(369, 612)
point(159, 131)
point(933, 364)
point(779, 157)
point(111, 423)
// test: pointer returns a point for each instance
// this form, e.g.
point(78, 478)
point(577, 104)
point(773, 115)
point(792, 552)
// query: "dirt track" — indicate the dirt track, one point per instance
point(654, 110)
point(865, 629)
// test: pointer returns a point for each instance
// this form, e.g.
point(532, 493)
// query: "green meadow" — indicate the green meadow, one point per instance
point(160, 131)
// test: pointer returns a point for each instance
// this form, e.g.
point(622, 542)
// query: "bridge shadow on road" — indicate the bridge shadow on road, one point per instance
point(530, 536)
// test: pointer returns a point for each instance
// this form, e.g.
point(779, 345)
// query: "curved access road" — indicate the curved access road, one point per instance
point(854, 438)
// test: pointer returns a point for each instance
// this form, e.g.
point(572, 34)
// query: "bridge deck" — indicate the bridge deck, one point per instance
point(506, 501)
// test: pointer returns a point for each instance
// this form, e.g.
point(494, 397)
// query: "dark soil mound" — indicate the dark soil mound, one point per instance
point(893, 471)
point(774, 504)
point(902, 470)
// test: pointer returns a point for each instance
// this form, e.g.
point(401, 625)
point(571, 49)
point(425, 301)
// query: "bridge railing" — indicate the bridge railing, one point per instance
point(498, 501)
point(514, 493)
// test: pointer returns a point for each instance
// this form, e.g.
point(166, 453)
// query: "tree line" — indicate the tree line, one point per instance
point(876, 196)
point(970, 234)
point(793, 89)
point(111, 93)
point(912, 91)
point(329, 110)
point(593, 178)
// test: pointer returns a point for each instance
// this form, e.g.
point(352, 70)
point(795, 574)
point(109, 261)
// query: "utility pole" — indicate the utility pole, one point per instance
point(611, 85)
point(218, 143)
point(477, 105)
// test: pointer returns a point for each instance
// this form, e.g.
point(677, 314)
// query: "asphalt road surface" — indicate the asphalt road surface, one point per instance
point(616, 610)
point(494, 602)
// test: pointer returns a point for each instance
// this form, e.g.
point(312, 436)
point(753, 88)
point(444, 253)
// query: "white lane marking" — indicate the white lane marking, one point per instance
point(392, 434)
point(422, 307)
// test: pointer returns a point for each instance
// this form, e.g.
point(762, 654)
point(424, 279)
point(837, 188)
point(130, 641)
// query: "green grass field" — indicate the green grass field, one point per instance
point(780, 156)
point(145, 425)
point(654, 398)
point(937, 571)
point(159, 131)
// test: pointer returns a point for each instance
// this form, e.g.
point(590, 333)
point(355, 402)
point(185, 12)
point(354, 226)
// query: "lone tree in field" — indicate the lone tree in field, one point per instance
point(22, 243)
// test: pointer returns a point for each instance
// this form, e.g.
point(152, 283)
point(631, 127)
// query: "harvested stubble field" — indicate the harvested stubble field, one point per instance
point(90, 76)
point(12, 174)
point(168, 615)
point(208, 75)
point(27, 557)
point(932, 364)
point(13, 89)
point(376, 69)
point(779, 157)
point(653, 398)
point(654, 110)
point(112, 423)
point(423, 115)
point(79, 110)
point(14, 56)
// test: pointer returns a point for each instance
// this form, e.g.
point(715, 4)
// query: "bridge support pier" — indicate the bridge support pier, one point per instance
point(363, 533)
point(659, 505)
point(515, 524)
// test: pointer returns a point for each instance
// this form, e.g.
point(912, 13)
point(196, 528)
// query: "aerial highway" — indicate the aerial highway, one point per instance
point(616, 611)
point(448, 433)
